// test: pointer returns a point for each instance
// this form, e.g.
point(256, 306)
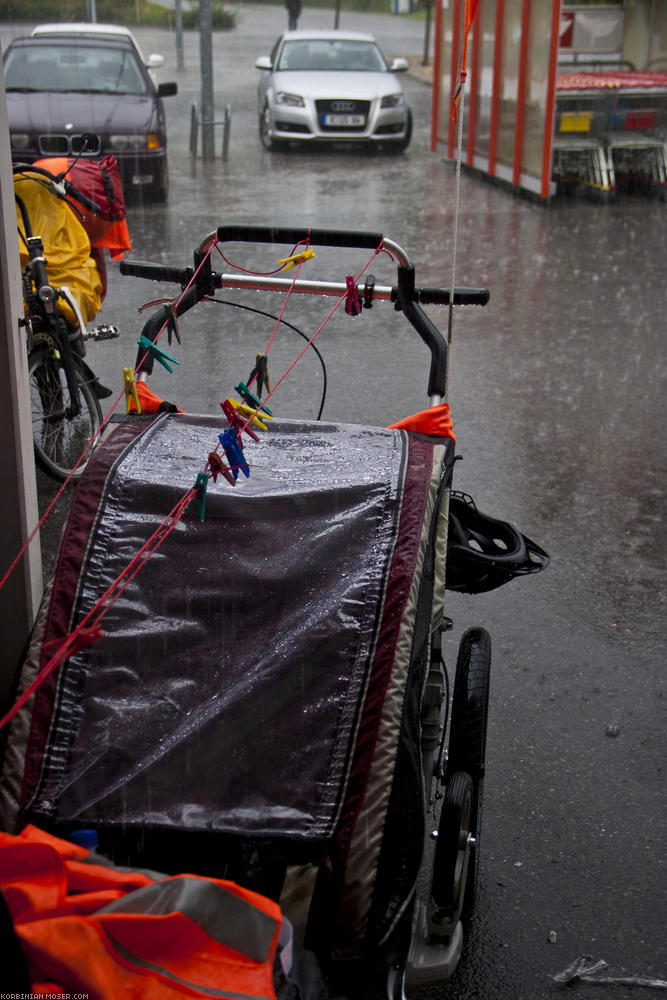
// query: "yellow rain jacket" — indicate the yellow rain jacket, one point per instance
point(66, 247)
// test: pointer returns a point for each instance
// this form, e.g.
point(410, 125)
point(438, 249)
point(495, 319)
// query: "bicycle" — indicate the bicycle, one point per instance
point(65, 393)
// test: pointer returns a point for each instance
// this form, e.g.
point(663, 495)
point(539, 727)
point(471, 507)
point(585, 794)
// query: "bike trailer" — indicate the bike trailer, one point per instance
point(267, 699)
point(100, 181)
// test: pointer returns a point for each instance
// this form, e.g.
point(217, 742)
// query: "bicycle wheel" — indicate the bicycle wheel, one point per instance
point(59, 437)
point(467, 739)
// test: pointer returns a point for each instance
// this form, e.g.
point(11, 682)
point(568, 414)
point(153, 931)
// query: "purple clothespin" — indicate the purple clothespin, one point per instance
point(352, 307)
point(237, 422)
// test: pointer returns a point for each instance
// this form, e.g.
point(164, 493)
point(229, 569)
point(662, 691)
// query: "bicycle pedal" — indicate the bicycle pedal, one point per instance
point(103, 332)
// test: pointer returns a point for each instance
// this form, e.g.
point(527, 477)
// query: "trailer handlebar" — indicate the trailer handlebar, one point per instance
point(201, 281)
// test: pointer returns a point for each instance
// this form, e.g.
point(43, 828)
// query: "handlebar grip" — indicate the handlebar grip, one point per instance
point(321, 237)
point(462, 296)
point(154, 272)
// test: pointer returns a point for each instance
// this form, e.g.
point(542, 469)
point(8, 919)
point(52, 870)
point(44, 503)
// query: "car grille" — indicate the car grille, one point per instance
point(66, 145)
point(342, 108)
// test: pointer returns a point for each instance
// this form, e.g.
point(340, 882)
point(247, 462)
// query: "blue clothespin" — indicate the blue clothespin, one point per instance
point(352, 307)
point(201, 485)
point(251, 398)
point(158, 353)
point(229, 440)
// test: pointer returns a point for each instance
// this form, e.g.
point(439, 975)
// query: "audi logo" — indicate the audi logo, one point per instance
point(343, 105)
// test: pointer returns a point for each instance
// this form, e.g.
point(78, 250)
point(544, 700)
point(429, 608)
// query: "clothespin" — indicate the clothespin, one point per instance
point(79, 640)
point(229, 440)
point(369, 289)
point(250, 414)
point(172, 323)
point(201, 484)
point(261, 373)
point(161, 356)
point(237, 421)
point(251, 399)
point(217, 466)
point(352, 307)
point(296, 258)
point(131, 395)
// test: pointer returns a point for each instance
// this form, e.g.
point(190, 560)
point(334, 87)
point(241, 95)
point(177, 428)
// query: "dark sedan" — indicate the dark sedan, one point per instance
point(73, 94)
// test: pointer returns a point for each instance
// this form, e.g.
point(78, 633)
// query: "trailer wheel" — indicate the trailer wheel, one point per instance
point(452, 852)
point(467, 735)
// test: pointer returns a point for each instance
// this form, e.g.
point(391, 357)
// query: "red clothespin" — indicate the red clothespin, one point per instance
point(352, 307)
point(217, 467)
point(236, 421)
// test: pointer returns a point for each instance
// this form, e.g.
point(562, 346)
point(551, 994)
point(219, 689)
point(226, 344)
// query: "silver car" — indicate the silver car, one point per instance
point(332, 86)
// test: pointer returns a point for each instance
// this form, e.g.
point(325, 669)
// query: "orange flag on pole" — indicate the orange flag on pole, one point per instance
point(468, 18)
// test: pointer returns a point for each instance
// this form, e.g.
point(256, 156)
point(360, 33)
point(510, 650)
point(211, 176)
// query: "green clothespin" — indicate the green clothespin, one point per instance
point(201, 485)
point(251, 398)
point(158, 353)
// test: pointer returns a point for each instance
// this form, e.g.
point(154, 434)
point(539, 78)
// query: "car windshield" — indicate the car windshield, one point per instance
point(331, 55)
point(61, 68)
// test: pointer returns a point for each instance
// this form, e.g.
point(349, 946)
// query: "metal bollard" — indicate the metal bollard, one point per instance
point(226, 129)
point(195, 125)
point(194, 129)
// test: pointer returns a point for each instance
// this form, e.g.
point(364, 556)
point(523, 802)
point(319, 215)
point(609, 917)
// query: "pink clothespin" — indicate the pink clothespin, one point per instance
point(236, 421)
point(352, 306)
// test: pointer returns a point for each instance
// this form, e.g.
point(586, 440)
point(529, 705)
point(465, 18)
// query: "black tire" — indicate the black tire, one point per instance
point(400, 147)
point(265, 129)
point(160, 192)
point(467, 735)
point(59, 438)
point(452, 851)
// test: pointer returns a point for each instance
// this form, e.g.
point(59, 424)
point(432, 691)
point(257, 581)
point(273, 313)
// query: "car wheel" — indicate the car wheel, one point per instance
point(160, 192)
point(402, 145)
point(265, 128)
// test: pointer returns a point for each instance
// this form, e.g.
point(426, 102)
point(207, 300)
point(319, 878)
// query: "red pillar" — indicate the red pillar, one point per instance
point(495, 95)
point(551, 100)
point(521, 92)
point(439, 31)
point(474, 84)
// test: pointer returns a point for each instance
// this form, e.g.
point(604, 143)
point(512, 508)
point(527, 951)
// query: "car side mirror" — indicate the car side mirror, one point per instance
point(399, 65)
point(167, 89)
point(264, 62)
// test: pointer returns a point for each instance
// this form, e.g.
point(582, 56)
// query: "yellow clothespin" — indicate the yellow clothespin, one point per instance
point(296, 258)
point(131, 395)
point(248, 412)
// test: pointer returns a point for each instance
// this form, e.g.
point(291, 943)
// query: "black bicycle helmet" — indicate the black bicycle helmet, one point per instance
point(484, 553)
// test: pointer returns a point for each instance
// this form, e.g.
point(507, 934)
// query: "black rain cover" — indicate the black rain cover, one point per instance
point(227, 691)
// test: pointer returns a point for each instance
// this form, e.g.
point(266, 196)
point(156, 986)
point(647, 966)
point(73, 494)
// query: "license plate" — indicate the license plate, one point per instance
point(343, 121)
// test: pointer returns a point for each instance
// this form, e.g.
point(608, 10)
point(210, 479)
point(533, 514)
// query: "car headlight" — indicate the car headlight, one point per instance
point(19, 140)
point(128, 143)
point(293, 100)
point(393, 101)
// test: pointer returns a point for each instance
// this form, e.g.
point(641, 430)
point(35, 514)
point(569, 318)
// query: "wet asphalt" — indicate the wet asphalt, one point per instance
point(557, 390)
